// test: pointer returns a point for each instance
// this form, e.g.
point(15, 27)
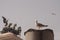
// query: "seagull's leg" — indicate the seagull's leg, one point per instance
point(38, 27)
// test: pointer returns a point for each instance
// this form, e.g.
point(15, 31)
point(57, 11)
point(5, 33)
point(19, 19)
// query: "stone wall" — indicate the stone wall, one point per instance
point(33, 34)
point(9, 36)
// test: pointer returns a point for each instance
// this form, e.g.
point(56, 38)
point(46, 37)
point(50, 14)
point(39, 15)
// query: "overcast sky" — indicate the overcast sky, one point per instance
point(25, 12)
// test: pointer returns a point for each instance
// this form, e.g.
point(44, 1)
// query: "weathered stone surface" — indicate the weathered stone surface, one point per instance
point(33, 34)
point(9, 36)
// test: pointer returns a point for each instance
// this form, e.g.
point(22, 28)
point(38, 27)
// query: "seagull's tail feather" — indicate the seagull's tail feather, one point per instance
point(45, 25)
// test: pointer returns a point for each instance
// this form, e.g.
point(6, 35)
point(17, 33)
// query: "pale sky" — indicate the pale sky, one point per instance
point(25, 12)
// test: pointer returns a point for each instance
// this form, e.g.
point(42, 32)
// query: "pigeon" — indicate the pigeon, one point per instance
point(10, 24)
point(5, 21)
point(14, 26)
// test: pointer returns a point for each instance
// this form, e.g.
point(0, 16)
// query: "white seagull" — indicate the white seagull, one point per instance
point(40, 25)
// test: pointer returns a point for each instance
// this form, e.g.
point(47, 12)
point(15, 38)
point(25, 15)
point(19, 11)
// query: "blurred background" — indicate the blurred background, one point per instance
point(26, 12)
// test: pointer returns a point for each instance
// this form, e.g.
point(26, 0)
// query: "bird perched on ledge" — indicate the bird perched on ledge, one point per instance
point(8, 27)
point(40, 25)
point(5, 21)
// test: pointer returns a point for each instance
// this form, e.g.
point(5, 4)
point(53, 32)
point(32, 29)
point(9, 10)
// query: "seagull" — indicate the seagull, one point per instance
point(5, 21)
point(40, 25)
point(53, 14)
